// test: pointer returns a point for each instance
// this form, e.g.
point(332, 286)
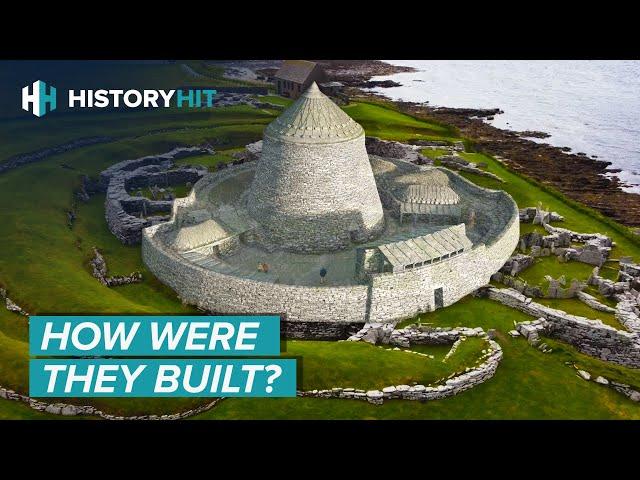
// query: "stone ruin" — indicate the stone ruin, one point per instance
point(127, 215)
point(11, 305)
point(560, 241)
point(101, 272)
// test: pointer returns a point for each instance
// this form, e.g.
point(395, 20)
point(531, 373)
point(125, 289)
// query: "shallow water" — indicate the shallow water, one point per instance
point(589, 106)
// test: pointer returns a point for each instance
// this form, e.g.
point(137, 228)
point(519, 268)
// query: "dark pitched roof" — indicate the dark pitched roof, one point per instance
point(295, 71)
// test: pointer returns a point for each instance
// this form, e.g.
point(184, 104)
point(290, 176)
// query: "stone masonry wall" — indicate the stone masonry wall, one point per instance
point(396, 296)
point(316, 197)
point(590, 336)
point(222, 293)
point(122, 209)
point(389, 298)
point(458, 383)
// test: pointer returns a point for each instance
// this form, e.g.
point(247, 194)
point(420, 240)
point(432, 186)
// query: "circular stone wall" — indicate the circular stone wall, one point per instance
point(218, 283)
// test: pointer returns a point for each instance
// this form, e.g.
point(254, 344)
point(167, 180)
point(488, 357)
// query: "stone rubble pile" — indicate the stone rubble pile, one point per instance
point(420, 335)
point(128, 215)
point(401, 151)
point(251, 153)
point(67, 409)
point(538, 216)
point(384, 334)
point(559, 241)
point(100, 271)
point(607, 287)
point(11, 305)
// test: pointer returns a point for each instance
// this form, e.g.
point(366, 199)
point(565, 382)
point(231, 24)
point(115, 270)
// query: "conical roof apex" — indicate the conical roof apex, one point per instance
point(314, 118)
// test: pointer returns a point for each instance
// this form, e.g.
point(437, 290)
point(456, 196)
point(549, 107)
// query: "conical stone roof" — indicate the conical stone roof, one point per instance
point(314, 118)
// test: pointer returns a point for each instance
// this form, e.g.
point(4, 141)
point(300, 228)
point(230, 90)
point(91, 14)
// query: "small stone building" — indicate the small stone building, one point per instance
point(295, 76)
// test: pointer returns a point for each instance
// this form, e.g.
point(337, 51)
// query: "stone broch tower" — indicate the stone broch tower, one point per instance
point(314, 189)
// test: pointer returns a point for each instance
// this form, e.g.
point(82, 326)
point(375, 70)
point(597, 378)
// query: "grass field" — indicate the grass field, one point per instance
point(44, 266)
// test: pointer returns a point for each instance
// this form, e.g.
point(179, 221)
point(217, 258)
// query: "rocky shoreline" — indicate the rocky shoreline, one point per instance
point(581, 178)
point(358, 73)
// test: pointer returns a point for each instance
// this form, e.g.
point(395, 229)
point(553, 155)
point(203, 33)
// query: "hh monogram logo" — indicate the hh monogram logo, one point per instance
point(37, 101)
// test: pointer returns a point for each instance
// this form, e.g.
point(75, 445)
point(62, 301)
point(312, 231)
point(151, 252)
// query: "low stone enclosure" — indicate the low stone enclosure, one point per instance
point(559, 242)
point(458, 382)
point(591, 337)
point(484, 368)
point(127, 215)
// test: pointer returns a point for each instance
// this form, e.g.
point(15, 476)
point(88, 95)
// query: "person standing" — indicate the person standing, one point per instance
point(323, 274)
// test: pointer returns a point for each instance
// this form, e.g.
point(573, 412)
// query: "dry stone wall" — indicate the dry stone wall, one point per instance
point(69, 410)
point(458, 383)
point(590, 336)
point(127, 215)
point(217, 292)
point(385, 297)
point(317, 197)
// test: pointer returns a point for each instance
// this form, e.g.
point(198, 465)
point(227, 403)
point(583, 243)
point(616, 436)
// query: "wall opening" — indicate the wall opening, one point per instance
point(438, 298)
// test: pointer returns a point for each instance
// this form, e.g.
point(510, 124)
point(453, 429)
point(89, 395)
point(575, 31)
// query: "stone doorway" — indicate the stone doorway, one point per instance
point(438, 298)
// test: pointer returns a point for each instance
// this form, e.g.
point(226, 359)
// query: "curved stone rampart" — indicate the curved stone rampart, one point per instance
point(389, 297)
point(127, 215)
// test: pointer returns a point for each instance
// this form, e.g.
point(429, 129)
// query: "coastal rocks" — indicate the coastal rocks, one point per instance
point(578, 177)
point(471, 112)
point(379, 84)
point(99, 266)
point(533, 134)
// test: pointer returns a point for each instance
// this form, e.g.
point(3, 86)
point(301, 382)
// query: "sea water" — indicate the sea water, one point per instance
point(589, 106)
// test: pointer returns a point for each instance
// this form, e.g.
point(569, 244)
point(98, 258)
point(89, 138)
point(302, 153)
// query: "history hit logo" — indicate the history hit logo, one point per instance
point(38, 101)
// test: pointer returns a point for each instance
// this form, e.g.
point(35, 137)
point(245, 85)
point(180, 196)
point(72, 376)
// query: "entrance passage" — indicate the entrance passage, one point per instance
point(438, 298)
